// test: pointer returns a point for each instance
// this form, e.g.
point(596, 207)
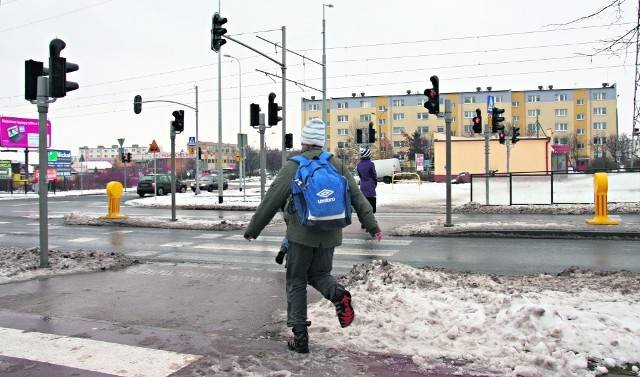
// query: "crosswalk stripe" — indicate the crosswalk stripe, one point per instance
point(351, 241)
point(176, 244)
point(262, 248)
point(92, 355)
point(83, 239)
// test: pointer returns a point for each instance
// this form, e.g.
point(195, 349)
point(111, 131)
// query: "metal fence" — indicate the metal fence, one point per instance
point(553, 188)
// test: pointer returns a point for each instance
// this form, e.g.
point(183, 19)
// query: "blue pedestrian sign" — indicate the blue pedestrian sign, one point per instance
point(491, 103)
point(192, 141)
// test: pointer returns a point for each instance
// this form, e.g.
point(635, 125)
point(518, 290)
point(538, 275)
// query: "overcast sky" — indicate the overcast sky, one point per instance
point(161, 50)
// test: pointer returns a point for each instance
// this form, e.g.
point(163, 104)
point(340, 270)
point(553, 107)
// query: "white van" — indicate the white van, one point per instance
point(385, 169)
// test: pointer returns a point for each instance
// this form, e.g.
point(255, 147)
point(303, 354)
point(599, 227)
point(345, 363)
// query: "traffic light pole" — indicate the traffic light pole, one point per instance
point(172, 135)
point(487, 136)
point(447, 121)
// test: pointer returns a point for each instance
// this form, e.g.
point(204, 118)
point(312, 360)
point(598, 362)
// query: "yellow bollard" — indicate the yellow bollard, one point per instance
point(600, 188)
point(114, 192)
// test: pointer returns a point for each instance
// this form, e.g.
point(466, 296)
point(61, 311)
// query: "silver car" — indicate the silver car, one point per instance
point(209, 183)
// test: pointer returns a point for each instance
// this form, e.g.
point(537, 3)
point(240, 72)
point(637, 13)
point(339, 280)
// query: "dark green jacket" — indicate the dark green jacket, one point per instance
point(279, 196)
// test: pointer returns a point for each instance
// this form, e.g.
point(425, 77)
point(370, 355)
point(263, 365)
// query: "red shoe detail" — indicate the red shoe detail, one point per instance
point(344, 310)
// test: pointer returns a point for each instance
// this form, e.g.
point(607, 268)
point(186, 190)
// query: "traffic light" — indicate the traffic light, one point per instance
point(501, 136)
point(255, 115)
point(636, 131)
point(477, 122)
point(32, 70)
point(359, 136)
point(496, 120)
point(515, 132)
point(199, 153)
point(178, 123)
point(238, 156)
point(288, 140)
point(137, 104)
point(433, 96)
point(58, 68)
point(128, 156)
point(273, 109)
point(372, 133)
point(217, 31)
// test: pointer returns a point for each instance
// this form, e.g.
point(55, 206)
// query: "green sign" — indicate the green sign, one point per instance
point(5, 169)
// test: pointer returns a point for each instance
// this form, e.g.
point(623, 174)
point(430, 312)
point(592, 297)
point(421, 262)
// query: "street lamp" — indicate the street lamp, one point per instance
point(324, 67)
point(241, 169)
point(81, 171)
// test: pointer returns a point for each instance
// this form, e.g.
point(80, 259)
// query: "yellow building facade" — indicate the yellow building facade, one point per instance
point(581, 116)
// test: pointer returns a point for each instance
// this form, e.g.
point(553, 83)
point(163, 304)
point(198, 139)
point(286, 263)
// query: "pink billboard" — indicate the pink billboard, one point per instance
point(21, 133)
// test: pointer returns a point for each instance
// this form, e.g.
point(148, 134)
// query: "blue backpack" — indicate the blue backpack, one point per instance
point(321, 196)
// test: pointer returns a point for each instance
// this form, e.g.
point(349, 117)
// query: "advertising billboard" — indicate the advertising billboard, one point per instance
point(21, 133)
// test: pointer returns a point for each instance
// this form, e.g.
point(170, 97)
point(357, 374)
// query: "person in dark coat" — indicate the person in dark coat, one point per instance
point(368, 177)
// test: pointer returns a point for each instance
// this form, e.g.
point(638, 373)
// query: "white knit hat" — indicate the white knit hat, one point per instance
point(365, 152)
point(313, 133)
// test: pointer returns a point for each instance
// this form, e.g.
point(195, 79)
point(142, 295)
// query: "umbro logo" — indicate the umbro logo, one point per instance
point(325, 193)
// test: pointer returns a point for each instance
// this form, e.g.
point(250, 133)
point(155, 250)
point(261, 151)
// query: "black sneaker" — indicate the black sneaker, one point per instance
point(344, 310)
point(299, 342)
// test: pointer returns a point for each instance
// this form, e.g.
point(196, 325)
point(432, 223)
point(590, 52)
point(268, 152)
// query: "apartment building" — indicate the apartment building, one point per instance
point(588, 113)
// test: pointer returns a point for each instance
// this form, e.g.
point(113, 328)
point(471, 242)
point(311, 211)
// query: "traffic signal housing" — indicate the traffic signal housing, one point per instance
point(477, 122)
point(433, 96)
point(137, 104)
point(178, 123)
point(217, 32)
point(288, 141)
point(496, 120)
point(515, 132)
point(372, 133)
point(128, 156)
point(58, 69)
point(359, 136)
point(273, 109)
point(501, 137)
point(254, 115)
point(32, 70)
point(199, 153)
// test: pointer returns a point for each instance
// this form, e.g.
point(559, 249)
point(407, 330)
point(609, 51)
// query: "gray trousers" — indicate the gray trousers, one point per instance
point(312, 265)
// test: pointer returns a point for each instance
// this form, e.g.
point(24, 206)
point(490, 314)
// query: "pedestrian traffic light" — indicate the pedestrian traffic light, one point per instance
point(515, 132)
point(128, 156)
point(237, 156)
point(477, 122)
point(123, 157)
point(137, 104)
point(501, 136)
point(32, 70)
point(359, 136)
point(372, 133)
point(496, 120)
point(273, 109)
point(199, 153)
point(255, 115)
point(433, 96)
point(217, 31)
point(58, 68)
point(178, 123)
point(288, 140)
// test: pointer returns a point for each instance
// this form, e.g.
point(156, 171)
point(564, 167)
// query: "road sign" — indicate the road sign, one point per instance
point(491, 103)
point(192, 141)
point(153, 148)
point(191, 149)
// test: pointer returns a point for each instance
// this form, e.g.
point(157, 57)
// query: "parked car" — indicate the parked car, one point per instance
point(210, 183)
point(463, 177)
point(159, 184)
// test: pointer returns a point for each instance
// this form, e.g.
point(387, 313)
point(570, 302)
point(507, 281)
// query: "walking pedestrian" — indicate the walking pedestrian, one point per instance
point(368, 177)
point(310, 251)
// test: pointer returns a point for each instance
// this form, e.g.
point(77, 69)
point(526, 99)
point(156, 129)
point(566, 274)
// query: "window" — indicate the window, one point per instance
point(599, 111)
point(423, 130)
point(533, 112)
point(314, 106)
point(343, 118)
point(343, 132)
point(398, 102)
point(423, 116)
point(469, 99)
point(561, 140)
point(441, 129)
point(382, 108)
point(398, 116)
point(561, 127)
point(342, 105)
point(599, 154)
point(579, 116)
point(580, 145)
point(600, 125)
point(365, 103)
point(560, 97)
point(580, 131)
point(515, 118)
point(515, 104)
point(499, 99)
point(600, 96)
point(469, 114)
point(365, 117)
point(533, 98)
point(398, 130)
point(342, 144)
point(561, 112)
point(599, 140)
point(532, 127)
point(580, 102)
point(468, 128)
point(381, 121)
point(398, 144)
